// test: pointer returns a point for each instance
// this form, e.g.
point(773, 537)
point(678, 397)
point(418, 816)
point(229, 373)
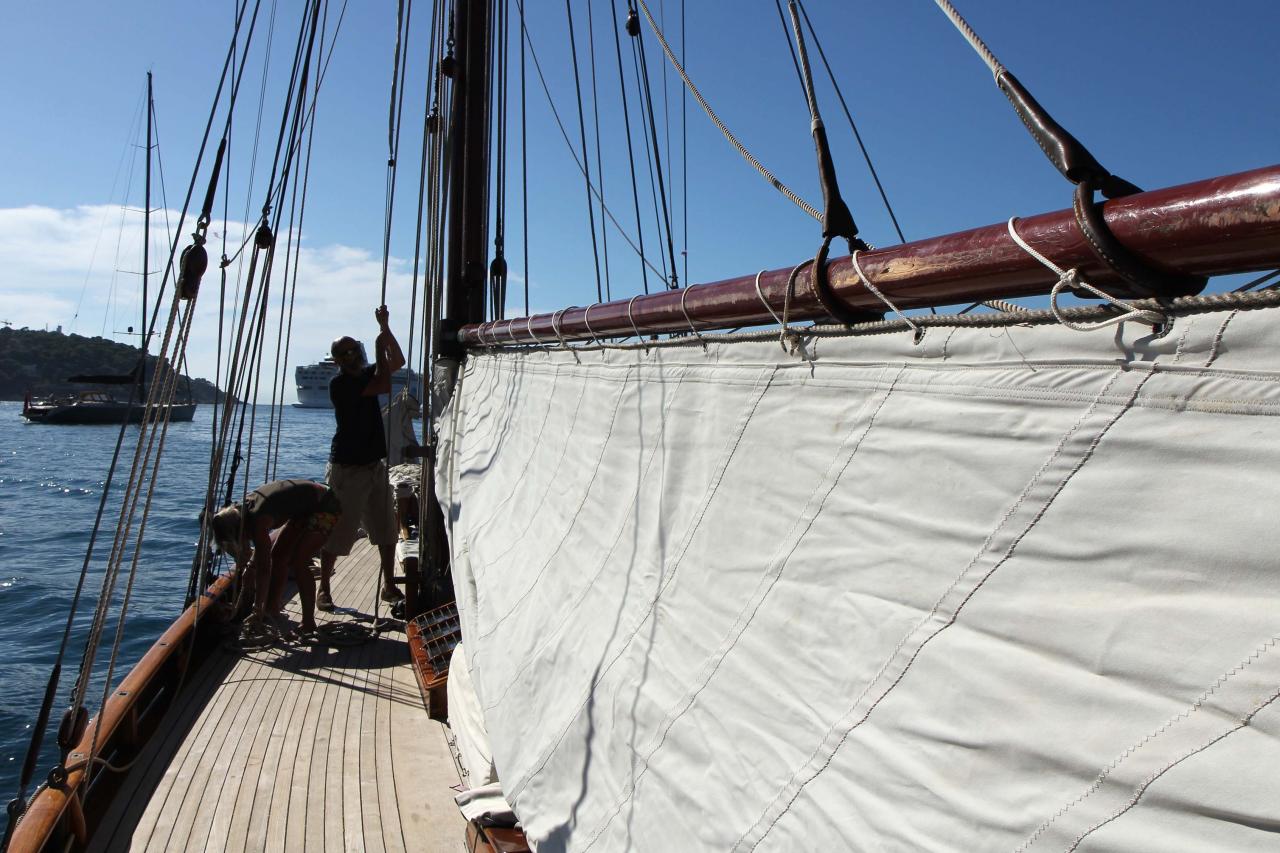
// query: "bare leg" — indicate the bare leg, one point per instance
point(326, 571)
point(388, 555)
point(308, 544)
point(282, 557)
point(245, 594)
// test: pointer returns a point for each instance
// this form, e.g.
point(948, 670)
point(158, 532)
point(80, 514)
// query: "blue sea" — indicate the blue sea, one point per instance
point(51, 481)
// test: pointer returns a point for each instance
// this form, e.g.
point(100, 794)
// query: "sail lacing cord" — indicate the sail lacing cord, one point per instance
point(857, 268)
point(1169, 308)
point(1070, 279)
point(715, 119)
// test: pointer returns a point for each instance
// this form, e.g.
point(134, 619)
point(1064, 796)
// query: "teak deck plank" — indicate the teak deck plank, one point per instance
point(296, 748)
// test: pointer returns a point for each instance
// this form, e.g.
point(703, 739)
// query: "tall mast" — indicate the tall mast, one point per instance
point(467, 236)
point(146, 225)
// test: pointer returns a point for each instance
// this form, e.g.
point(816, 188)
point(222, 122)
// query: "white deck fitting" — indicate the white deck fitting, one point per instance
point(323, 749)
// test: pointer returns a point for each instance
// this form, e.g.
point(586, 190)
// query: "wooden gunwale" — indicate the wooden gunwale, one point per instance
point(131, 715)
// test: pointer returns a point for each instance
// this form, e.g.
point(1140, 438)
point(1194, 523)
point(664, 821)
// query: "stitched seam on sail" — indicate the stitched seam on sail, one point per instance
point(535, 443)
point(858, 434)
point(539, 503)
point(793, 783)
point(1142, 787)
point(572, 520)
point(727, 454)
point(1151, 736)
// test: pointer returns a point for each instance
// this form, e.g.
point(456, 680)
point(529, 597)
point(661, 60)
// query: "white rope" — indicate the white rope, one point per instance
point(555, 326)
point(586, 322)
point(765, 302)
point(528, 325)
point(1071, 279)
point(916, 331)
point(687, 318)
point(788, 339)
point(634, 327)
point(972, 37)
point(733, 140)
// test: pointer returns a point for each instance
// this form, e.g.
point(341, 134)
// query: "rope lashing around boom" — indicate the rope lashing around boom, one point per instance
point(715, 119)
point(1169, 309)
point(916, 331)
point(1070, 279)
point(1080, 167)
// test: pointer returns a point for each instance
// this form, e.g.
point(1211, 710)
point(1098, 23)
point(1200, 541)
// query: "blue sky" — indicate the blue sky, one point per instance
point(1162, 93)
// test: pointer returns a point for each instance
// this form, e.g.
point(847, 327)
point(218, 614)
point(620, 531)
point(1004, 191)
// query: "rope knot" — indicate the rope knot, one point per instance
point(1070, 280)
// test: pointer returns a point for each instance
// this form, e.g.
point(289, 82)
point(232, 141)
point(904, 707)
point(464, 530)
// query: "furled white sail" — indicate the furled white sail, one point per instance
point(1006, 589)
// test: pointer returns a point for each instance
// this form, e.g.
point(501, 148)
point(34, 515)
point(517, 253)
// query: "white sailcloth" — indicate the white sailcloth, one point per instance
point(1007, 589)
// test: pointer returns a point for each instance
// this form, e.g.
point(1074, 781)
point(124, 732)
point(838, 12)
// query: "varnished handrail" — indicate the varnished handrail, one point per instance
point(52, 806)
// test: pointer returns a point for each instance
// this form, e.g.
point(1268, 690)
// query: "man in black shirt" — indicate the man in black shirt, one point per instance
point(357, 471)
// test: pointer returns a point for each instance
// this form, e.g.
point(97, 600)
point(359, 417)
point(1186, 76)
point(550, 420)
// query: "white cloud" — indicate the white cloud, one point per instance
point(53, 260)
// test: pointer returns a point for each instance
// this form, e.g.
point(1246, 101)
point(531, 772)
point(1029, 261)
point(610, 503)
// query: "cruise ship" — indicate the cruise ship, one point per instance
point(313, 383)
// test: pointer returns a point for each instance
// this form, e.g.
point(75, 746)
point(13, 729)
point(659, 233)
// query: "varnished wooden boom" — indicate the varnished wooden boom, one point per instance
point(1219, 226)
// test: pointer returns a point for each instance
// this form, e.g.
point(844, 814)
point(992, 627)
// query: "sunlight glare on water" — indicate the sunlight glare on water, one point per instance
point(51, 482)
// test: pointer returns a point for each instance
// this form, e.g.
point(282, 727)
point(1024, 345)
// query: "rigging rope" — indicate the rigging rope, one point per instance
point(866, 156)
point(498, 267)
point(715, 119)
point(537, 66)
point(673, 280)
point(631, 157)
point(524, 166)
point(586, 157)
point(17, 805)
point(595, 110)
point(642, 107)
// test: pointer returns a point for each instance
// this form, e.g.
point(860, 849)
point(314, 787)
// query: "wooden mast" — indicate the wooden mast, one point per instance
point(146, 222)
point(467, 236)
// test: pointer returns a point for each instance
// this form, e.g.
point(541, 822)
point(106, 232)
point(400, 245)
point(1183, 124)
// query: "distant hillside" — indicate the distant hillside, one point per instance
point(40, 362)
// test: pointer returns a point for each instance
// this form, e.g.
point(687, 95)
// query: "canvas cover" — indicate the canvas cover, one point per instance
point(1006, 589)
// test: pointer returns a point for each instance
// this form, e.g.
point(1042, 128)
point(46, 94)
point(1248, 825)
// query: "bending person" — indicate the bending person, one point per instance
point(357, 470)
point(305, 513)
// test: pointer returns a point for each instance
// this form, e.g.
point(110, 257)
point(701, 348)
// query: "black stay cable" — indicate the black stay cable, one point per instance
point(684, 150)
point(498, 266)
point(822, 54)
point(595, 110)
point(674, 282)
point(524, 164)
point(631, 157)
point(648, 155)
point(430, 121)
point(573, 152)
point(264, 237)
point(18, 804)
point(586, 156)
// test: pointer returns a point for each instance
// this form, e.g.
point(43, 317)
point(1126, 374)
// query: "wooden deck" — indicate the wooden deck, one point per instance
point(295, 748)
